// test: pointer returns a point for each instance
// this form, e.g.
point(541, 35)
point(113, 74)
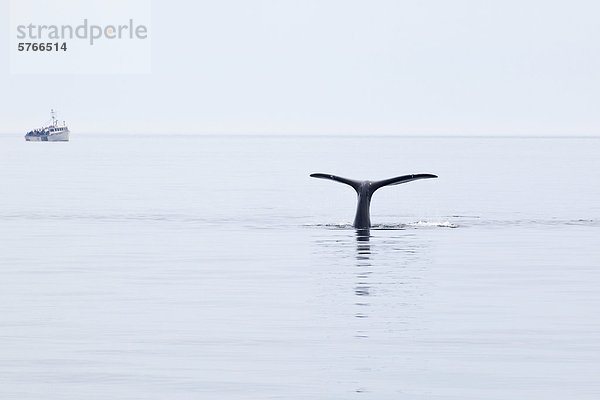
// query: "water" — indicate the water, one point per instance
point(184, 267)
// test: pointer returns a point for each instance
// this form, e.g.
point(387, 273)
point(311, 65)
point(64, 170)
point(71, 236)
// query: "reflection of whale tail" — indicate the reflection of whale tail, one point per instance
point(365, 190)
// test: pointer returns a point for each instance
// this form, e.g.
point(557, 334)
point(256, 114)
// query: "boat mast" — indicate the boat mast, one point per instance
point(53, 113)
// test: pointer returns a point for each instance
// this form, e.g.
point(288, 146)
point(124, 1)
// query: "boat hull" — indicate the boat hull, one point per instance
point(57, 137)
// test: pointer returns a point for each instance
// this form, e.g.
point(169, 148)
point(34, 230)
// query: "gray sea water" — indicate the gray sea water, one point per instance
point(198, 267)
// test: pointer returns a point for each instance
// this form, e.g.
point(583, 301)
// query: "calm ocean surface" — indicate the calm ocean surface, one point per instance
point(190, 267)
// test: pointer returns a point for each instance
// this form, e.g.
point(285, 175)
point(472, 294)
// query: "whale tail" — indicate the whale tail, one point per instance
point(365, 189)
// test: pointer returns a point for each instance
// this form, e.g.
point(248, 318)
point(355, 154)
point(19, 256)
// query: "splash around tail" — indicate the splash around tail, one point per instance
point(365, 190)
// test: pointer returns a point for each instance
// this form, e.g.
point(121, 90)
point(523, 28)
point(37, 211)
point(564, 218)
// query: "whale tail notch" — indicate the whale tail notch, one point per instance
point(365, 190)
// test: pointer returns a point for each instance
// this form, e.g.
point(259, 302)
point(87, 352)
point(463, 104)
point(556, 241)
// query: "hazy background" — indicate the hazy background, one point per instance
point(337, 67)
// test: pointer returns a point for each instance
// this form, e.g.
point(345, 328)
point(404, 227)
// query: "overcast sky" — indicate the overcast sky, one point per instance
point(421, 67)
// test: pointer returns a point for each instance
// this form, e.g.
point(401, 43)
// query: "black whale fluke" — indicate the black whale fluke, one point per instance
point(365, 189)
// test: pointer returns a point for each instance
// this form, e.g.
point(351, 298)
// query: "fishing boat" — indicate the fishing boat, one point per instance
point(51, 133)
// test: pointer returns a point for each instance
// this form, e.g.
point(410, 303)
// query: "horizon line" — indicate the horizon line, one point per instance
point(332, 135)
